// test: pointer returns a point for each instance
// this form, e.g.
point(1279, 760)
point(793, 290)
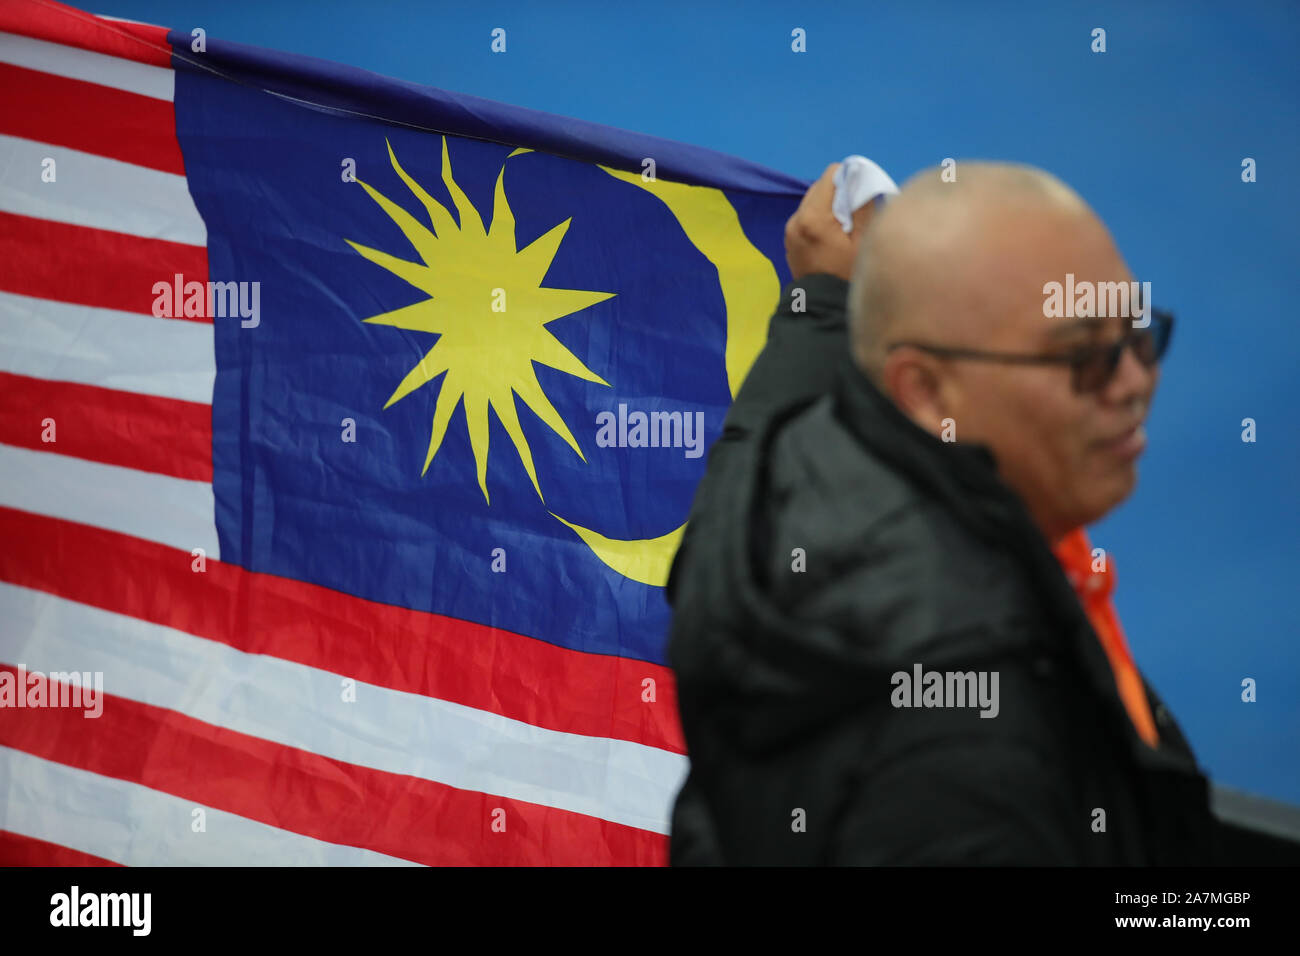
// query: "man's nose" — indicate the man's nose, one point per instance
point(1131, 380)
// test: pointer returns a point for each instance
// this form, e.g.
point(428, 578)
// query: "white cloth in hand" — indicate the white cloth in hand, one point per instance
point(857, 182)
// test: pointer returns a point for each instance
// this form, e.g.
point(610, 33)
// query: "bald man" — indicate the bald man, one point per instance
point(892, 642)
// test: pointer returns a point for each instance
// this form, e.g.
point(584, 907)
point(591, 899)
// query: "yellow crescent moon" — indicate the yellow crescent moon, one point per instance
point(750, 290)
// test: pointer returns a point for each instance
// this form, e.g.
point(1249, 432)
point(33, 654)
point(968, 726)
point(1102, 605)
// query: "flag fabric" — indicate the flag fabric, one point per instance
point(347, 429)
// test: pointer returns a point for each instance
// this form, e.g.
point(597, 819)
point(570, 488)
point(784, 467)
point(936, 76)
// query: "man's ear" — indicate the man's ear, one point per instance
point(912, 379)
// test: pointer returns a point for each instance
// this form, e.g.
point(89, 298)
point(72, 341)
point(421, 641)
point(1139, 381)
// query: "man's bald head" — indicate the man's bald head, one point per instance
point(943, 255)
point(964, 265)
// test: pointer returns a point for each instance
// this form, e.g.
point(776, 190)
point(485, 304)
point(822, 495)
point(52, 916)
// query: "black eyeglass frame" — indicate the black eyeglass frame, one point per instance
point(1099, 360)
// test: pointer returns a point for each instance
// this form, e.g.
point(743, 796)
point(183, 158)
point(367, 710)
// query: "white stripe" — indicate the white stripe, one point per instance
point(158, 82)
point(171, 511)
point(303, 707)
point(105, 16)
point(132, 824)
point(170, 358)
point(101, 193)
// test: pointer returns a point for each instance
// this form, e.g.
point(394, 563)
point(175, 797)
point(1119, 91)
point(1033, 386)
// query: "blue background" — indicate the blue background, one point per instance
point(1152, 133)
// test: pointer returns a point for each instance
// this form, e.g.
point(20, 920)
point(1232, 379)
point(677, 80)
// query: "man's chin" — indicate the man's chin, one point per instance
point(1120, 484)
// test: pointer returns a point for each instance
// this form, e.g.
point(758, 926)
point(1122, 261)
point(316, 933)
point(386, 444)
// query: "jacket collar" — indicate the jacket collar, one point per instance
point(964, 478)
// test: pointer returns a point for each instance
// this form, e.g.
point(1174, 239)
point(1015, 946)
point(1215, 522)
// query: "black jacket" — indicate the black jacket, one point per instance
point(915, 553)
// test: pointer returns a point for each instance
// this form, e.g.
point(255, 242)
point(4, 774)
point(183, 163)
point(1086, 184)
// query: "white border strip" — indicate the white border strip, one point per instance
point(96, 192)
point(172, 511)
point(169, 358)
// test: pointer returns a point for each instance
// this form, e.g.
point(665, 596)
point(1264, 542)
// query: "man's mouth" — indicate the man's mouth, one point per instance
point(1128, 445)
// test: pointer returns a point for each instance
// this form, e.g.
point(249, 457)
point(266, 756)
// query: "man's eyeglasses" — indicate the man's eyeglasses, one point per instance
point(1093, 366)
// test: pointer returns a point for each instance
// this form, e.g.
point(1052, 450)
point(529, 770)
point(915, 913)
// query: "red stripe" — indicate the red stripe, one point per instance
point(19, 850)
point(57, 23)
point(471, 664)
point(163, 435)
point(91, 118)
point(108, 270)
point(320, 797)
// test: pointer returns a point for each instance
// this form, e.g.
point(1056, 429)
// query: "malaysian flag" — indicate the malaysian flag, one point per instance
point(347, 429)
